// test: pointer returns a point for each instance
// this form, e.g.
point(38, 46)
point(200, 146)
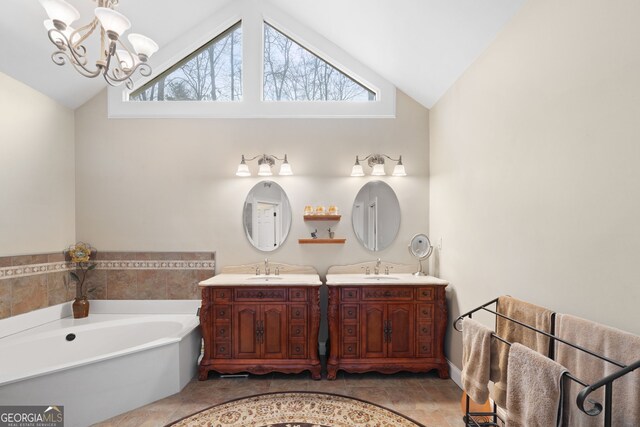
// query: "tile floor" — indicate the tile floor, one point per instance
point(423, 397)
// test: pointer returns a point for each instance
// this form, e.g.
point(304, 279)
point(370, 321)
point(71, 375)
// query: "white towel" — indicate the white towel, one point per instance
point(613, 343)
point(476, 348)
point(534, 389)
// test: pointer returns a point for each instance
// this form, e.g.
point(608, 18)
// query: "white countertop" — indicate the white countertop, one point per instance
point(262, 280)
point(382, 279)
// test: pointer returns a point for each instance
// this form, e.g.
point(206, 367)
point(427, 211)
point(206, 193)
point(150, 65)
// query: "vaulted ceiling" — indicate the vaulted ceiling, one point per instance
point(420, 46)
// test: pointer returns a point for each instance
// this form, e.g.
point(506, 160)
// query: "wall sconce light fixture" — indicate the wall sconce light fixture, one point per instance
point(376, 162)
point(266, 162)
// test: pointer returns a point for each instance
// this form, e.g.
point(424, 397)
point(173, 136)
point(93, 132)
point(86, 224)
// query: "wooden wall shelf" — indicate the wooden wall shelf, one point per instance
point(321, 241)
point(322, 217)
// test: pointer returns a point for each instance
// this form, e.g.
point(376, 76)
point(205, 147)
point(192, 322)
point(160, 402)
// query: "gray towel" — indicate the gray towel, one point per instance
point(529, 314)
point(476, 348)
point(534, 389)
point(613, 343)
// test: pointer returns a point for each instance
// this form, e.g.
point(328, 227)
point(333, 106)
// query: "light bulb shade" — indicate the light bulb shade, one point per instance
point(60, 10)
point(112, 21)
point(48, 24)
point(285, 169)
point(143, 45)
point(378, 170)
point(357, 170)
point(126, 60)
point(243, 170)
point(398, 170)
point(265, 170)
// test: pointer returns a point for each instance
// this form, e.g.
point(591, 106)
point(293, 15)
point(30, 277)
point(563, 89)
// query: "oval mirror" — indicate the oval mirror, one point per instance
point(266, 216)
point(420, 247)
point(376, 215)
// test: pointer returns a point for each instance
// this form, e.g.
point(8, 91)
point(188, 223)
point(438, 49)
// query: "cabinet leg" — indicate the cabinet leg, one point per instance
point(443, 372)
point(316, 373)
point(203, 373)
point(332, 371)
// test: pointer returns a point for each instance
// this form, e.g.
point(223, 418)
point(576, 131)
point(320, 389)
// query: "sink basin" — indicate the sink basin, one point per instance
point(265, 278)
point(385, 277)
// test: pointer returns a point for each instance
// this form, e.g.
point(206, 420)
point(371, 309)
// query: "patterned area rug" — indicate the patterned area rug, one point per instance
point(298, 409)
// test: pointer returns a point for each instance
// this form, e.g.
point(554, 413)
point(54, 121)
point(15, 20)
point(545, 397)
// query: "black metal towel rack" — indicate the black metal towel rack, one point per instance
point(606, 382)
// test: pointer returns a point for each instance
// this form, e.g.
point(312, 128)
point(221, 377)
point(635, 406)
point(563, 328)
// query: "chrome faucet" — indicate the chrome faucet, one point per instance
point(267, 271)
point(257, 270)
point(277, 273)
point(376, 269)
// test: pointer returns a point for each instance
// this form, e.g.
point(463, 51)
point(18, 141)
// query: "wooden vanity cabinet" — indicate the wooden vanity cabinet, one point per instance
point(260, 330)
point(387, 329)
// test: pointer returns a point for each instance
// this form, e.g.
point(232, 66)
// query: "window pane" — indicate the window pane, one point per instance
point(211, 73)
point(292, 73)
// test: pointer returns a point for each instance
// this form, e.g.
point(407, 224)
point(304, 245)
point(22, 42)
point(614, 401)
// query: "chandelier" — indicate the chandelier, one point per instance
point(117, 62)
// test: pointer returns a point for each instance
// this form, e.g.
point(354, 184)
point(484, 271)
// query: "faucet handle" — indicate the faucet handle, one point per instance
point(277, 273)
point(257, 270)
point(366, 269)
point(386, 269)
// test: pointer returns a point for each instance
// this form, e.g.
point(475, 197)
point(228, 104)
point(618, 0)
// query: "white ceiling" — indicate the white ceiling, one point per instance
point(420, 46)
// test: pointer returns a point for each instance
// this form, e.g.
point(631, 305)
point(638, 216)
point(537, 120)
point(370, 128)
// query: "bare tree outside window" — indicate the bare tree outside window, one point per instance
point(292, 73)
point(211, 73)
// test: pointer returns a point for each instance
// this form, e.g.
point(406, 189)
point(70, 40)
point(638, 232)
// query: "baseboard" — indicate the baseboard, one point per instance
point(455, 374)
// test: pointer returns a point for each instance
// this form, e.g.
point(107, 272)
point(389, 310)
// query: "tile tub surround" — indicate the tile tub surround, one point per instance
point(31, 282)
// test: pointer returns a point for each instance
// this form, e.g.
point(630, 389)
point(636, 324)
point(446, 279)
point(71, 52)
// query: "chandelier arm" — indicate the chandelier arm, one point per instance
point(61, 57)
point(90, 28)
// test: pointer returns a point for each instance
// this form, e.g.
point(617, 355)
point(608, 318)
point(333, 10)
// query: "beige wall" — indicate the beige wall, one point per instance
point(535, 177)
point(170, 184)
point(37, 189)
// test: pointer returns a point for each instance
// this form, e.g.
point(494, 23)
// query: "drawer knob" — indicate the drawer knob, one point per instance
point(350, 313)
point(425, 312)
point(222, 349)
point(222, 331)
point(298, 331)
point(424, 348)
point(350, 348)
point(350, 330)
point(298, 294)
point(221, 294)
point(260, 294)
point(297, 349)
point(424, 330)
point(387, 293)
point(221, 312)
point(425, 293)
point(350, 294)
point(297, 312)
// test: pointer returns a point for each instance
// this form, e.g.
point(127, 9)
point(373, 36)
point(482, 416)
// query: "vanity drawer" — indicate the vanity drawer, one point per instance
point(298, 294)
point(425, 349)
point(222, 312)
point(425, 330)
point(425, 311)
point(222, 295)
point(426, 294)
point(297, 331)
point(394, 293)
point(349, 350)
point(222, 350)
point(260, 294)
point(350, 294)
point(222, 331)
point(298, 350)
point(350, 331)
point(298, 312)
point(350, 312)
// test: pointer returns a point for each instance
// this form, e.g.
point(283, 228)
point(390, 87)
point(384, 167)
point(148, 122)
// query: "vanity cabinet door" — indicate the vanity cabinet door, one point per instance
point(274, 331)
point(246, 342)
point(374, 339)
point(401, 330)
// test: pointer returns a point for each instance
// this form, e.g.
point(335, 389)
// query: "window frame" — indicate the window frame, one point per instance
point(252, 105)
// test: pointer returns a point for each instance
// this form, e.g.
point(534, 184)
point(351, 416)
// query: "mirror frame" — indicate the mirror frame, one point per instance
point(285, 229)
point(396, 201)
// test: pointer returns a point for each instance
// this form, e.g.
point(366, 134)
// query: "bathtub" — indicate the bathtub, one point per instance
point(103, 365)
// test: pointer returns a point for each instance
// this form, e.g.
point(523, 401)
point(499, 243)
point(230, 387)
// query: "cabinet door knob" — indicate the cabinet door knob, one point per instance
point(221, 349)
point(221, 312)
point(350, 330)
point(350, 348)
point(297, 312)
point(350, 313)
point(298, 331)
